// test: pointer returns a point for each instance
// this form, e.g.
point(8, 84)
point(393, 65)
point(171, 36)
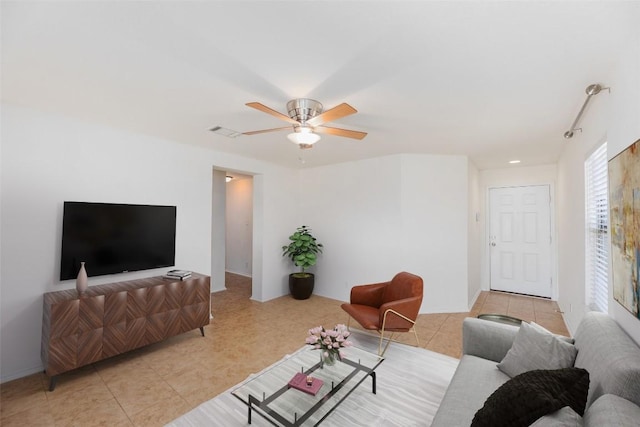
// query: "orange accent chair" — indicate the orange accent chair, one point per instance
point(387, 307)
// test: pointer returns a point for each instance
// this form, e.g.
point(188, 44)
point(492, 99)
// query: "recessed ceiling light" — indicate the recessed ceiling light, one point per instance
point(513, 162)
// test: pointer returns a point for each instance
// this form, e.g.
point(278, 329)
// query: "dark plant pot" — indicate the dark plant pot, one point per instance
point(301, 285)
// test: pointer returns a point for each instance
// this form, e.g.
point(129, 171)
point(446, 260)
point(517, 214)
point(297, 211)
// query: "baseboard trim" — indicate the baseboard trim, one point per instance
point(474, 299)
point(20, 374)
point(239, 274)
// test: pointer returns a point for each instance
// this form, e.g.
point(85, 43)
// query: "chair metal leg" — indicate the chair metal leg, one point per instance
point(389, 339)
point(381, 332)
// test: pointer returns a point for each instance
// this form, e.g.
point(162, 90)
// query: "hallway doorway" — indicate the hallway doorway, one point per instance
point(232, 228)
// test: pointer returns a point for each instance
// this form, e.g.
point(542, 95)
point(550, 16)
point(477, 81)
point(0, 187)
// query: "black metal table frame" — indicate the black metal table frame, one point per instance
point(263, 404)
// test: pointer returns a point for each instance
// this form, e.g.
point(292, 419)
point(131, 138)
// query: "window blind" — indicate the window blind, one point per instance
point(597, 230)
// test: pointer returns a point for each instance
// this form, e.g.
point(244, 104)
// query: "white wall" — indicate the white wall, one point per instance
point(353, 209)
point(276, 203)
point(624, 129)
point(239, 229)
point(512, 177)
point(218, 229)
point(571, 223)
point(614, 117)
point(474, 238)
point(434, 228)
point(47, 159)
point(380, 216)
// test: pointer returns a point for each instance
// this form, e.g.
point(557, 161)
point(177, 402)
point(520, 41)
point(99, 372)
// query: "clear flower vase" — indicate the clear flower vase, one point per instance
point(328, 358)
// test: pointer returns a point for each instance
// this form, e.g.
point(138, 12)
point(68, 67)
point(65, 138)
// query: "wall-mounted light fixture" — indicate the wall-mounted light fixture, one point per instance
point(591, 90)
point(228, 178)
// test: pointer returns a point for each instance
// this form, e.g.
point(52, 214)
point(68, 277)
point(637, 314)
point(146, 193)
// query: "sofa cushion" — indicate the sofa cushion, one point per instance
point(536, 348)
point(533, 394)
point(610, 356)
point(474, 380)
point(564, 417)
point(612, 411)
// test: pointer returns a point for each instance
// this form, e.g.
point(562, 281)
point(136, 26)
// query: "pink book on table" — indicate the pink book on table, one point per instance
point(299, 381)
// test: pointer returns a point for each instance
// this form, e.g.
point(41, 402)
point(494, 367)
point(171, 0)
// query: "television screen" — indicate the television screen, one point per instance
point(115, 238)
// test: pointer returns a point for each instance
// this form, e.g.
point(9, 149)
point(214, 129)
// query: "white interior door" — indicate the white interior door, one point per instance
point(520, 240)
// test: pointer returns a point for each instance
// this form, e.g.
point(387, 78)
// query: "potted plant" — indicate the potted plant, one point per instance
point(303, 251)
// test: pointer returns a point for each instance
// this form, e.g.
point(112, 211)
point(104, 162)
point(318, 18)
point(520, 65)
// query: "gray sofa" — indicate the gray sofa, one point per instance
point(603, 349)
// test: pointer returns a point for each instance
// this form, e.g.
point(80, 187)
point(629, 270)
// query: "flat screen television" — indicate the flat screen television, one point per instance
point(115, 238)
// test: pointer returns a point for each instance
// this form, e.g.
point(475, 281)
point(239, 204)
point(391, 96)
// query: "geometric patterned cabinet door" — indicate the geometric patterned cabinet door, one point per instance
point(112, 319)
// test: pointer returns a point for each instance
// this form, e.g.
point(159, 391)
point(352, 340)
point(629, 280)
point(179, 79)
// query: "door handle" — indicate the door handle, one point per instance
point(493, 243)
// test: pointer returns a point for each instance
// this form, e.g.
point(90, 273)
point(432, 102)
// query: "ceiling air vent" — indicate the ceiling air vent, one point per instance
point(225, 132)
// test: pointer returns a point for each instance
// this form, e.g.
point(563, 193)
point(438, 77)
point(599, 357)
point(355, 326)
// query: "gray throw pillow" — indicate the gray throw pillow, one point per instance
point(536, 348)
point(544, 330)
point(564, 417)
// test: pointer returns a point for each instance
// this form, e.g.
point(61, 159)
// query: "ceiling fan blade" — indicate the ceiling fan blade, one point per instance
point(261, 107)
point(335, 113)
point(340, 132)
point(256, 132)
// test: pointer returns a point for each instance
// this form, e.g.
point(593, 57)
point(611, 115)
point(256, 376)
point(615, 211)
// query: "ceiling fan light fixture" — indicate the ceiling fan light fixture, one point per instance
point(307, 116)
point(304, 137)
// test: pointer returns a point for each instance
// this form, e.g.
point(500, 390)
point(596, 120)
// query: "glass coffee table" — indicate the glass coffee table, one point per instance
point(270, 395)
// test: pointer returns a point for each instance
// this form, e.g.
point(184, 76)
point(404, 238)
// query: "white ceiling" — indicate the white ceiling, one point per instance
point(491, 80)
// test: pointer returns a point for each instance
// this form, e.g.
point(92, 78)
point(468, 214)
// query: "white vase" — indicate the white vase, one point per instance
point(82, 281)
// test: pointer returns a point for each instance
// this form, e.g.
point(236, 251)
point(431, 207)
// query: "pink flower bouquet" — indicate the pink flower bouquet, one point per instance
point(329, 341)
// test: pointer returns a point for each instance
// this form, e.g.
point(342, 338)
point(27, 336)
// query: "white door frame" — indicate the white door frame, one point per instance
point(554, 235)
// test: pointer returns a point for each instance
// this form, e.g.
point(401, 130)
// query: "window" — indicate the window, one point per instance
point(597, 232)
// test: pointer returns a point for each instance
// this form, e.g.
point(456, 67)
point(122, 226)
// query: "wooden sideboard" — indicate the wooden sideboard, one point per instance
point(118, 317)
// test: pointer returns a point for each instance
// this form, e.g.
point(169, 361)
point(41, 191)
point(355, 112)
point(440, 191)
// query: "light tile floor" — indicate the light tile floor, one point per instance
point(153, 385)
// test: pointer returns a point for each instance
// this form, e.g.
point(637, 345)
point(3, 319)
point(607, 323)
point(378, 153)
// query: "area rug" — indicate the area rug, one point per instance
point(410, 385)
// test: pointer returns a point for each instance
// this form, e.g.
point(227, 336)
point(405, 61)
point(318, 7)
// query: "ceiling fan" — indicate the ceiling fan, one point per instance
point(308, 120)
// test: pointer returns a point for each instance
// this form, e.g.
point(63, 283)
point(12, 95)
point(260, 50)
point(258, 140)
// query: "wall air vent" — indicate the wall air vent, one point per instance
point(225, 132)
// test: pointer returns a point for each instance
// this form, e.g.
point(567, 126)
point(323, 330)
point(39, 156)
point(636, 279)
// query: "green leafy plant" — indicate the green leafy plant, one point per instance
point(303, 249)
